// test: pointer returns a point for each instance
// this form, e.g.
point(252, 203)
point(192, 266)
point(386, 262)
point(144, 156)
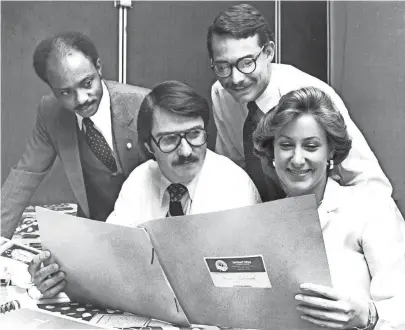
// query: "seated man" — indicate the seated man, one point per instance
point(182, 176)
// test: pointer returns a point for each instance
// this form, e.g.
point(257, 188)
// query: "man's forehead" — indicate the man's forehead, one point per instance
point(165, 122)
point(70, 69)
point(227, 45)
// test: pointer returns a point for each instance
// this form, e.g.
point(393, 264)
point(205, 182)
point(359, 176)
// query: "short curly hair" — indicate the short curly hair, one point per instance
point(308, 100)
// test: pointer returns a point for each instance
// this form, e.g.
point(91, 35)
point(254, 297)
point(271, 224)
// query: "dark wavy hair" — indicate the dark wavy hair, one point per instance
point(309, 100)
point(175, 97)
point(60, 44)
point(240, 21)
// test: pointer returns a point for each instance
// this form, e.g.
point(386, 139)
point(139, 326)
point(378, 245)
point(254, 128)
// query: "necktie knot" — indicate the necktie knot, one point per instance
point(88, 122)
point(252, 106)
point(176, 191)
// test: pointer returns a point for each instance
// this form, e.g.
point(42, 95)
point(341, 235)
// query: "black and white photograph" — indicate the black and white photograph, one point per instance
point(203, 165)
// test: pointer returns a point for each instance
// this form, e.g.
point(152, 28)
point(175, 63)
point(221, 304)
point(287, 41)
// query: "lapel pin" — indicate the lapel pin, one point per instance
point(129, 145)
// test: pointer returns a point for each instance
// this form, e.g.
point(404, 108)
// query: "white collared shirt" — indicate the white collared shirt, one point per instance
point(220, 185)
point(364, 245)
point(102, 118)
point(361, 165)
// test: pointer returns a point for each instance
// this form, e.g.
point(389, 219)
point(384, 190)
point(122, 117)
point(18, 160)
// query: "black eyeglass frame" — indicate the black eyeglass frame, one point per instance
point(253, 59)
point(182, 135)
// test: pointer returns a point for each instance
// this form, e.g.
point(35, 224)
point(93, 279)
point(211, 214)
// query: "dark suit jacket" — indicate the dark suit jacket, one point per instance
point(54, 135)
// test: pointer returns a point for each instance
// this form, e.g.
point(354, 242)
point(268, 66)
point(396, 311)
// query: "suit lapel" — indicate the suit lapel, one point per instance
point(124, 129)
point(70, 157)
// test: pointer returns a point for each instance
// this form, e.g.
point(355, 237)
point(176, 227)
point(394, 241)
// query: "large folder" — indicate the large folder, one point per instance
point(239, 268)
point(109, 265)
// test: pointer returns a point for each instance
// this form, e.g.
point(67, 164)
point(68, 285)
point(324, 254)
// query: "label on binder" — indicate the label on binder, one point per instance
point(245, 271)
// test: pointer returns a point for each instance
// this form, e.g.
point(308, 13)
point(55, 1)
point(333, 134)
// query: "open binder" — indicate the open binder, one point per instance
point(239, 268)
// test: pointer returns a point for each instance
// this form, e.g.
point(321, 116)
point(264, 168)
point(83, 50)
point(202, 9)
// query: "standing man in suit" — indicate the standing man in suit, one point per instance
point(241, 49)
point(89, 123)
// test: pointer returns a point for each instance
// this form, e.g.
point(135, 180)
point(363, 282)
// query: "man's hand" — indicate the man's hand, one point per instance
point(48, 279)
point(324, 306)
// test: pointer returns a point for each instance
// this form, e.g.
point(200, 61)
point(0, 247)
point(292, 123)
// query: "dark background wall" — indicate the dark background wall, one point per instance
point(166, 40)
point(368, 71)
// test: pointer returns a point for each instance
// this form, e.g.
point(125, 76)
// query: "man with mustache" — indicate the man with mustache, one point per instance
point(241, 49)
point(181, 177)
point(89, 123)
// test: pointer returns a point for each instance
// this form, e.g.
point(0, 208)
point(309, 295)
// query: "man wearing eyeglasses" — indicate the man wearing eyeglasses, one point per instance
point(181, 177)
point(241, 49)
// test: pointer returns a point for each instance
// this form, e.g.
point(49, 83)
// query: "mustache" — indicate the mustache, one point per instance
point(181, 160)
point(241, 85)
point(84, 105)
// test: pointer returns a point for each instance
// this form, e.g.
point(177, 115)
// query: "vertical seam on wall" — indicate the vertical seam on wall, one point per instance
point(277, 29)
point(344, 51)
point(328, 44)
point(120, 17)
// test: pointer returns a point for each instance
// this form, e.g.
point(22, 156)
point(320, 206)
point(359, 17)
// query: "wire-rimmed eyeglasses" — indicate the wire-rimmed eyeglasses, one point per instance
point(195, 137)
point(245, 65)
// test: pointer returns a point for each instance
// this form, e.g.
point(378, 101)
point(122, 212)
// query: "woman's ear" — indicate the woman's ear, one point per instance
point(331, 153)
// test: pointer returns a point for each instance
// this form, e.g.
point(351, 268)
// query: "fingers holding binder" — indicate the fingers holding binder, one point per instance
point(326, 307)
point(48, 279)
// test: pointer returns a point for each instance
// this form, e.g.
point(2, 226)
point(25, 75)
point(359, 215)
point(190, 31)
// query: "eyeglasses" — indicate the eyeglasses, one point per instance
point(245, 65)
point(170, 142)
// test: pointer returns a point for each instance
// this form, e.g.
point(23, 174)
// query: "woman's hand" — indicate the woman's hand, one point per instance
point(324, 306)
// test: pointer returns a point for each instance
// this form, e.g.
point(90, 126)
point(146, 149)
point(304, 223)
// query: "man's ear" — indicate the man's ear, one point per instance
point(147, 146)
point(98, 67)
point(269, 50)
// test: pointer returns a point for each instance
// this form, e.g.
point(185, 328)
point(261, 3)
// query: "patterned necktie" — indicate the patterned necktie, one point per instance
point(176, 192)
point(99, 146)
point(253, 163)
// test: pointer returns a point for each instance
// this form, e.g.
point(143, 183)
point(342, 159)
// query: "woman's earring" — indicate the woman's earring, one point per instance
point(331, 164)
point(274, 163)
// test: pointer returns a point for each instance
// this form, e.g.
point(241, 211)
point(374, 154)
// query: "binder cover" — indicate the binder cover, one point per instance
point(285, 233)
point(108, 265)
point(238, 268)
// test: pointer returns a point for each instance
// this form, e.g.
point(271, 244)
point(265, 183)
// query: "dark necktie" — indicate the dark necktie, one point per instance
point(253, 163)
point(99, 146)
point(176, 192)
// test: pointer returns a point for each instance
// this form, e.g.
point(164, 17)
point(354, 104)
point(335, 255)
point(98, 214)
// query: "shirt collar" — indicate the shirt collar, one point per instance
point(164, 183)
point(271, 95)
point(103, 110)
point(331, 197)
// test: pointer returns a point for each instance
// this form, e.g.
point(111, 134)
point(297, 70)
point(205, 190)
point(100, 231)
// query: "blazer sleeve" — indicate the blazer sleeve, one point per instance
point(383, 247)
point(24, 178)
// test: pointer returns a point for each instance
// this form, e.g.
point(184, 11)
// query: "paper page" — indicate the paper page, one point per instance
point(120, 321)
point(26, 318)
